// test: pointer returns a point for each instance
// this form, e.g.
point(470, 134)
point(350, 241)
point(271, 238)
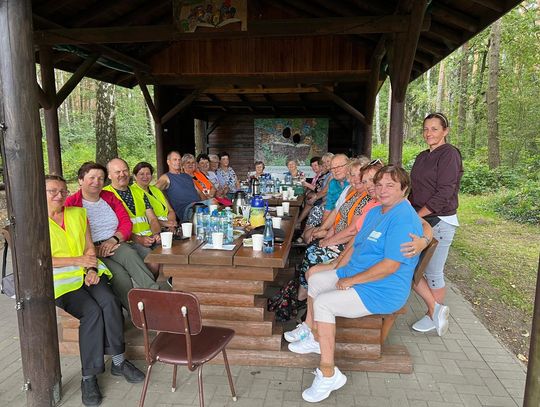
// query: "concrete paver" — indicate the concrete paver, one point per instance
point(467, 367)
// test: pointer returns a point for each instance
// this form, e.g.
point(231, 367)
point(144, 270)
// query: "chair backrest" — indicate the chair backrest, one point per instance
point(163, 310)
point(425, 257)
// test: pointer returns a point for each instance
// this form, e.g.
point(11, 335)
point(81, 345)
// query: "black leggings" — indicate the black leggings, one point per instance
point(101, 330)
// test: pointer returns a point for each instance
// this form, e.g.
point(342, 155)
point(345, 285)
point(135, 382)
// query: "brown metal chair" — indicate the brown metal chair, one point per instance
point(181, 338)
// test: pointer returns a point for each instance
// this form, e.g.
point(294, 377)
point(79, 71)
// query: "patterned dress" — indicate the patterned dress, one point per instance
point(315, 254)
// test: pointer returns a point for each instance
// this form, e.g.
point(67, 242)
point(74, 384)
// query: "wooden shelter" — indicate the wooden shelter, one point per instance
point(297, 58)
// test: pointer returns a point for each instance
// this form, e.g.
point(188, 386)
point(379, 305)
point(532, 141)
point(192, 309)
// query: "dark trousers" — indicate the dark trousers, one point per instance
point(101, 330)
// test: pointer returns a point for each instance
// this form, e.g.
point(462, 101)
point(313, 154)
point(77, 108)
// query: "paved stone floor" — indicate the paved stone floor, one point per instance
point(466, 367)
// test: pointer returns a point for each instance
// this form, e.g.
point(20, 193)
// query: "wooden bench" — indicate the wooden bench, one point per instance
point(360, 342)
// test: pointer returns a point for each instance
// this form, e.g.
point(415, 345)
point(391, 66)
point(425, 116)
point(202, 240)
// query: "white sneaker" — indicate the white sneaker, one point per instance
point(306, 345)
point(297, 334)
point(322, 386)
point(440, 318)
point(425, 324)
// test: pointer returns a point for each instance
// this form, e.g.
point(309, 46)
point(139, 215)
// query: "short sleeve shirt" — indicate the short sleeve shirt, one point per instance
point(334, 190)
point(380, 238)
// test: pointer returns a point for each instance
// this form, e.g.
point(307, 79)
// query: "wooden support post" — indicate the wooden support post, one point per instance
point(74, 79)
point(200, 136)
point(44, 101)
point(52, 128)
point(395, 138)
point(368, 140)
point(532, 386)
point(25, 187)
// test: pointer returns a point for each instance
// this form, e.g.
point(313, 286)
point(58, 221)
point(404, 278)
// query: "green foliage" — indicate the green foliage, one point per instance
point(410, 151)
point(521, 205)
point(479, 179)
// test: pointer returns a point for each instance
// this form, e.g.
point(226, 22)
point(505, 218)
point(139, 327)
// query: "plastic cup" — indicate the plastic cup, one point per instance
point(285, 208)
point(285, 194)
point(166, 239)
point(290, 192)
point(187, 229)
point(257, 242)
point(276, 222)
point(279, 211)
point(213, 208)
point(217, 240)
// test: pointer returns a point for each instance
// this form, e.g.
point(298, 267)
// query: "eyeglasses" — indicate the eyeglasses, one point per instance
point(338, 166)
point(54, 192)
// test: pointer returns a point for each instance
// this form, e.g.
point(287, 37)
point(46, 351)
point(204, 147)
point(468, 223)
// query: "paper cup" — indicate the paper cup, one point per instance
point(166, 239)
point(279, 211)
point(257, 242)
point(285, 195)
point(276, 222)
point(187, 229)
point(213, 208)
point(285, 208)
point(217, 240)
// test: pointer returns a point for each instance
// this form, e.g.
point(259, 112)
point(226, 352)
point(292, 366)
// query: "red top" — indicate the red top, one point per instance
point(124, 221)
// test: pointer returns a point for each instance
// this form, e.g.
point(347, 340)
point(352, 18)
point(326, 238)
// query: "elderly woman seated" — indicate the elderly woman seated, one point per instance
point(259, 171)
point(376, 279)
point(340, 226)
point(81, 288)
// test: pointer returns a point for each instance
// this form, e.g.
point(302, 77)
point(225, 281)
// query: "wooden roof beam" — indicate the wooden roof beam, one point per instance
point(180, 106)
point(141, 14)
point(108, 52)
point(455, 17)
point(261, 28)
point(261, 90)
point(338, 7)
point(149, 101)
point(446, 34)
point(433, 47)
point(217, 101)
point(343, 104)
point(373, 6)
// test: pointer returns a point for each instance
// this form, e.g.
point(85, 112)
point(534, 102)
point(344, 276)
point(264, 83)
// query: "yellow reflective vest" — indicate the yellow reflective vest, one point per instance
point(157, 200)
point(141, 225)
point(70, 242)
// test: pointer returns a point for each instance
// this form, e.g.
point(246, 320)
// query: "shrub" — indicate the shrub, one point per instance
point(522, 205)
point(478, 179)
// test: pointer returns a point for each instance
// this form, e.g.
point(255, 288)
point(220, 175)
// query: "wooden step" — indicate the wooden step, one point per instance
point(358, 350)
point(358, 335)
point(232, 300)
point(220, 272)
point(219, 286)
point(370, 321)
point(256, 313)
point(256, 328)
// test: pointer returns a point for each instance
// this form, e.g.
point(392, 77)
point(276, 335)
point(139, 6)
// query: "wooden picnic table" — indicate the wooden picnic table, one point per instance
point(231, 286)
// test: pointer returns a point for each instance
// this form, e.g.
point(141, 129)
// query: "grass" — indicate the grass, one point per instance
point(502, 255)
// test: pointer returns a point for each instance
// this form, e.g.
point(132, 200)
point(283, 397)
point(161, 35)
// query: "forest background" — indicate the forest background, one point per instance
point(489, 89)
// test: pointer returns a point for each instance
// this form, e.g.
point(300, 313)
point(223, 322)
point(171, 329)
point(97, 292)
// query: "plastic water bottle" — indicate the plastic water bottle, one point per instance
point(206, 224)
point(228, 233)
point(268, 236)
point(213, 226)
point(277, 185)
point(199, 216)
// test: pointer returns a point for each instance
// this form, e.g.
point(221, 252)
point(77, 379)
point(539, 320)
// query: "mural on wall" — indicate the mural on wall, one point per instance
point(189, 15)
point(280, 140)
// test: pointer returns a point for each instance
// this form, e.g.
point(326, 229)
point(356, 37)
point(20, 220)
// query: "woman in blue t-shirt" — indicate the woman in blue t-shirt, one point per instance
point(376, 279)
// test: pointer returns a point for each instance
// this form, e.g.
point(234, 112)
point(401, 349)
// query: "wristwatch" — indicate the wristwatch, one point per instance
point(115, 238)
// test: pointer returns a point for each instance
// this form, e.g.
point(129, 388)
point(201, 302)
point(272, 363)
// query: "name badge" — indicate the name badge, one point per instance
point(374, 236)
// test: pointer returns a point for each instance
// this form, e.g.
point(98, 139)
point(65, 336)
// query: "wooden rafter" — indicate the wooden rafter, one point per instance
point(491, 4)
point(261, 90)
point(43, 99)
point(455, 17)
point(261, 28)
point(343, 104)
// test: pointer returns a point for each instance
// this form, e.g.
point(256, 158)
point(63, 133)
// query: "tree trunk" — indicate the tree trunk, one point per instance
point(428, 88)
point(462, 103)
point(494, 156)
point(150, 125)
point(389, 111)
point(440, 87)
point(106, 144)
point(378, 120)
point(478, 95)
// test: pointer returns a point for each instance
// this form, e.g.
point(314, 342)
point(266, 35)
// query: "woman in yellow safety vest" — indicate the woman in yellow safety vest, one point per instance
point(142, 172)
point(81, 288)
